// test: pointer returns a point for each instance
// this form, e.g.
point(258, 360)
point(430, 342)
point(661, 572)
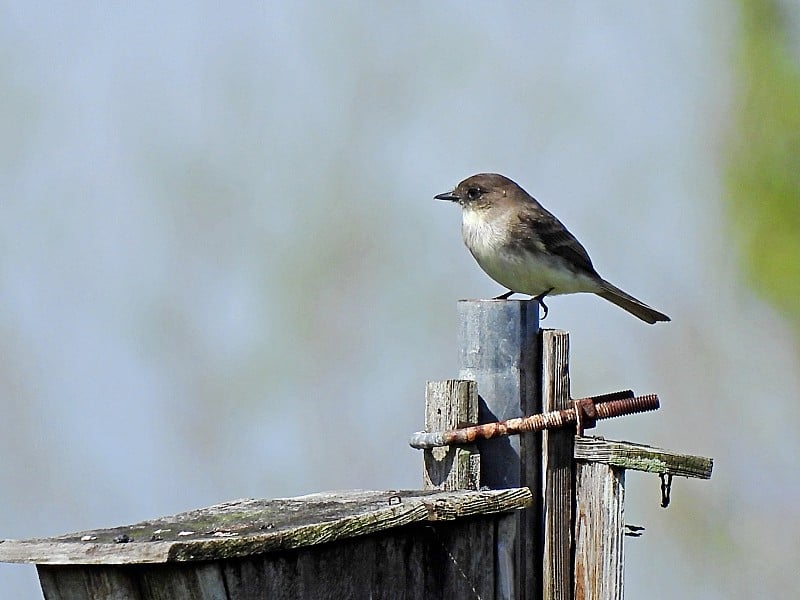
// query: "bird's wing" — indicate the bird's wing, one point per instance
point(544, 233)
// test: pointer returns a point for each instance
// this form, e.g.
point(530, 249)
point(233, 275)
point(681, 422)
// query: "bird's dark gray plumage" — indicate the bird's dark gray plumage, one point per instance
point(526, 248)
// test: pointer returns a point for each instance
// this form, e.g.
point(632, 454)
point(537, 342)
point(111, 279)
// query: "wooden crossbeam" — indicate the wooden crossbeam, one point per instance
point(639, 457)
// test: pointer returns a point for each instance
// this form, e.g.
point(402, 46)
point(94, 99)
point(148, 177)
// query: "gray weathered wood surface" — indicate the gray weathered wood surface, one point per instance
point(450, 404)
point(500, 350)
point(437, 561)
point(247, 527)
point(599, 531)
point(559, 474)
point(642, 458)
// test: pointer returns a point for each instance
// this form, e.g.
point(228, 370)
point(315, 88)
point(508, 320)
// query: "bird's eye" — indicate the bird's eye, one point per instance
point(473, 193)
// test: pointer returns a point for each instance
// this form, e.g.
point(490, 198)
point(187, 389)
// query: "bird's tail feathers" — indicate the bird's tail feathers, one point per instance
point(627, 302)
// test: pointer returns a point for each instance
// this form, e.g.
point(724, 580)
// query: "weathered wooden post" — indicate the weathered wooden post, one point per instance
point(599, 532)
point(580, 499)
point(487, 525)
point(559, 496)
point(448, 405)
point(499, 351)
point(600, 496)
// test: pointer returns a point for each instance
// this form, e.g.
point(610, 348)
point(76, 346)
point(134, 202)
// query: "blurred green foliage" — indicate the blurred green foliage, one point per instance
point(764, 172)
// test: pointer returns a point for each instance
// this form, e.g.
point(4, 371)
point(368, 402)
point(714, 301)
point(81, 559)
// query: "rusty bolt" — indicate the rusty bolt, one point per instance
point(584, 413)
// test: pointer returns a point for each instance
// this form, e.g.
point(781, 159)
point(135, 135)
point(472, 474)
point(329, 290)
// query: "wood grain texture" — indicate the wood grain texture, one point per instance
point(258, 526)
point(71, 582)
point(438, 560)
point(642, 458)
point(599, 532)
point(448, 405)
point(203, 581)
point(559, 474)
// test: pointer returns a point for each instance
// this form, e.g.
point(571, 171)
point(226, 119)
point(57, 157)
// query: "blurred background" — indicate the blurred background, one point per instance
point(223, 274)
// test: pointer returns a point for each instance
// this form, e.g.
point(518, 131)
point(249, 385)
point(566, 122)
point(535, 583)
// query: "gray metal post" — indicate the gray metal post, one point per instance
point(500, 349)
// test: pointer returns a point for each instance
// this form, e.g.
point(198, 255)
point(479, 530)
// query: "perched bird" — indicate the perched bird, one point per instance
point(526, 249)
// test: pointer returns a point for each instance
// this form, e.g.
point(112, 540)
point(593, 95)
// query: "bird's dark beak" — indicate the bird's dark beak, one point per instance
point(447, 196)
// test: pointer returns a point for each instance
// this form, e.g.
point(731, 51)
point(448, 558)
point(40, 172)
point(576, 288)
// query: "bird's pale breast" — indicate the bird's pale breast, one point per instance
point(521, 269)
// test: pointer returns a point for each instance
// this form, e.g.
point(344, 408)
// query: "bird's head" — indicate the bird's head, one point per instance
point(480, 191)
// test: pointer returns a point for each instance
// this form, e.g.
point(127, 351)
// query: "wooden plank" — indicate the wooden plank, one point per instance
point(435, 561)
point(599, 532)
point(642, 458)
point(500, 350)
point(505, 558)
point(203, 581)
point(75, 582)
point(245, 527)
point(448, 405)
point(559, 474)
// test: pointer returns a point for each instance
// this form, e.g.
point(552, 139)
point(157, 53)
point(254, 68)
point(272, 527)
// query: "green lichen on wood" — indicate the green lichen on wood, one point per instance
point(638, 457)
point(252, 527)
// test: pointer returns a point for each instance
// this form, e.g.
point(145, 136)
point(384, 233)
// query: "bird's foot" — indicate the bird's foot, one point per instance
point(503, 296)
point(540, 300)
